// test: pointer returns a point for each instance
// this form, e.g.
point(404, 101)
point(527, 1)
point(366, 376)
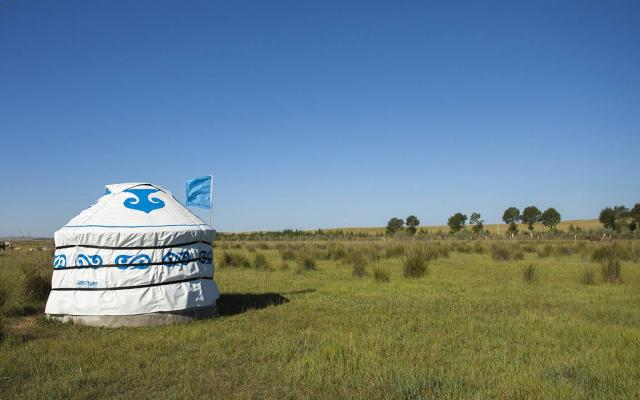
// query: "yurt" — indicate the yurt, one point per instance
point(135, 257)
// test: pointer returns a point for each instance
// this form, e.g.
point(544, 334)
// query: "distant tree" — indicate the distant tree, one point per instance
point(478, 224)
point(511, 217)
point(550, 218)
point(615, 218)
point(530, 216)
point(412, 222)
point(394, 225)
point(622, 216)
point(634, 214)
point(456, 222)
point(608, 218)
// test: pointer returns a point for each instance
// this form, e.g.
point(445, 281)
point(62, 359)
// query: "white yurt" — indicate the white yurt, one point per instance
point(135, 257)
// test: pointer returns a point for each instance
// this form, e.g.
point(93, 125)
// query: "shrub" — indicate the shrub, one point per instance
point(611, 271)
point(415, 262)
point(37, 284)
point(261, 262)
point(529, 273)
point(381, 275)
point(284, 266)
point(588, 277)
point(263, 246)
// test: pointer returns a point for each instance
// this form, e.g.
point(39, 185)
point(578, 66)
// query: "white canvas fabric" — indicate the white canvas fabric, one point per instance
point(137, 250)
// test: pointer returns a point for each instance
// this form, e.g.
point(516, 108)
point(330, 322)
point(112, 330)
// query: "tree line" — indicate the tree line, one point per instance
point(617, 218)
point(457, 222)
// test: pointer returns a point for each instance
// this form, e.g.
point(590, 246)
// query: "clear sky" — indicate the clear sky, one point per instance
point(320, 114)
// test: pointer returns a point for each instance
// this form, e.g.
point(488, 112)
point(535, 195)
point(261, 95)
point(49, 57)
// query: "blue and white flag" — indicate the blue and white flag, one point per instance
point(199, 192)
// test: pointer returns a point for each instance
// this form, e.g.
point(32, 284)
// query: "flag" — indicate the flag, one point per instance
point(199, 192)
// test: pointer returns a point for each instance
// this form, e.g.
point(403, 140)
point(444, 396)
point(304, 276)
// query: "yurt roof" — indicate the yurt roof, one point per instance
point(134, 214)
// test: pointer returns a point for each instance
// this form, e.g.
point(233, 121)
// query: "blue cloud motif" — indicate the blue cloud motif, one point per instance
point(59, 261)
point(142, 261)
point(83, 260)
point(170, 259)
point(142, 201)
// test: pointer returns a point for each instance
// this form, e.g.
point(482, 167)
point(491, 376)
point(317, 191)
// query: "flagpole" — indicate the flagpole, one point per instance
point(211, 203)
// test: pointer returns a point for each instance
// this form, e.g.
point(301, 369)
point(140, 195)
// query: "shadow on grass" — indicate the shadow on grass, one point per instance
point(238, 303)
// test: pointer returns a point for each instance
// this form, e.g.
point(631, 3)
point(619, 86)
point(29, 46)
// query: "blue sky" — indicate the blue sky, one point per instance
point(320, 114)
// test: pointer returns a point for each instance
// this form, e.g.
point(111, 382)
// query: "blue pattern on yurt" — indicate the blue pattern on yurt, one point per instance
point(142, 201)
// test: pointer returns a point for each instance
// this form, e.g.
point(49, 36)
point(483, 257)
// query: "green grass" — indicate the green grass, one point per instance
point(471, 328)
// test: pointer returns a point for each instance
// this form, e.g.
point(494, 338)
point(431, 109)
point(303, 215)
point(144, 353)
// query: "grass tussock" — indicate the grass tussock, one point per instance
point(37, 284)
point(358, 264)
point(394, 250)
point(260, 262)
point(545, 251)
point(504, 252)
point(381, 275)
point(530, 273)
point(611, 271)
point(11, 297)
point(306, 263)
point(478, 248)
point(588, 277)
point(234, 259)
point(415, 262)
point(500, 253)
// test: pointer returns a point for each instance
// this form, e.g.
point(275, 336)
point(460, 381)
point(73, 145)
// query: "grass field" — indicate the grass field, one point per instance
point(480, 323)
